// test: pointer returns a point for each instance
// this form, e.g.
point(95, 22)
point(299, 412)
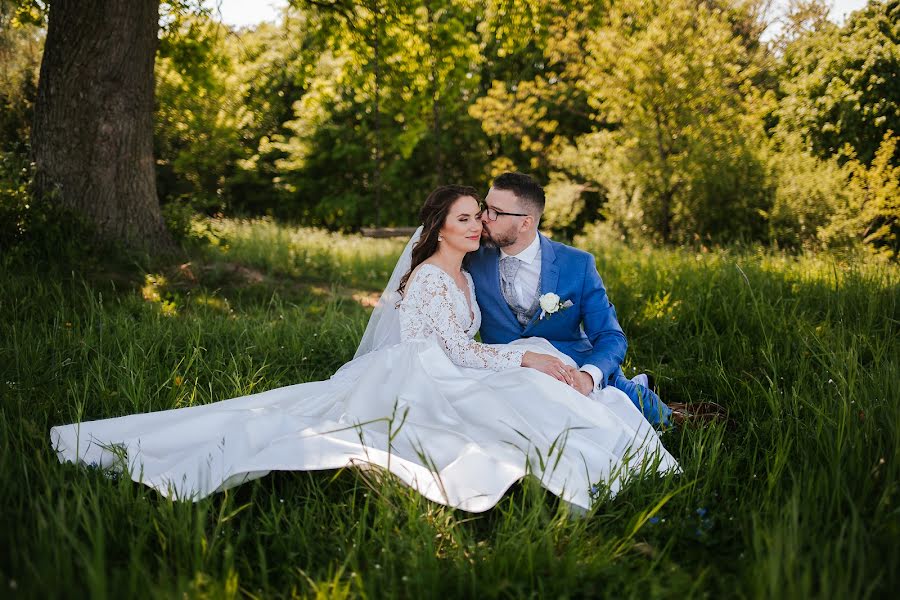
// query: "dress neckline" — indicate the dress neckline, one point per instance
point(466, 294)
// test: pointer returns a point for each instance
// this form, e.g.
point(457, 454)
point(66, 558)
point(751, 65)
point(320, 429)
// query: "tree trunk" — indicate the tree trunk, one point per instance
point(668, 193)
point(377, 112)
point(93, 119)
point(434, 50)
point(666, 210)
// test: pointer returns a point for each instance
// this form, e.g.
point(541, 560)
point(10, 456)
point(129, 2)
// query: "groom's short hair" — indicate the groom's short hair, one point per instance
point(526, 189)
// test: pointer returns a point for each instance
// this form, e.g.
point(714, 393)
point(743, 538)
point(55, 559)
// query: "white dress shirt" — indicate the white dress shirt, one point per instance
point(526, 287)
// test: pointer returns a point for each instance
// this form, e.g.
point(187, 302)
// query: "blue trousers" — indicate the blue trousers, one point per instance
point(653, 409)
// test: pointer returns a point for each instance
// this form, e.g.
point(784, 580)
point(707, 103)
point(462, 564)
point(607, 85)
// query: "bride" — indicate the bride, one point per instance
point(457, 420)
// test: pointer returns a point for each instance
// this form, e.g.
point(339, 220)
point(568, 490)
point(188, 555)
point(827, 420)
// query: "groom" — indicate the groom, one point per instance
point(516, 265)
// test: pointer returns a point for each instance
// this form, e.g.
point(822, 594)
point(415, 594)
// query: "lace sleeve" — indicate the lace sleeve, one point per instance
point(428, 308)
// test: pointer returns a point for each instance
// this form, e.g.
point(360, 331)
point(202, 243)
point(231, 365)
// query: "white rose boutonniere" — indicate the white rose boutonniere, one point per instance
point(550, 303)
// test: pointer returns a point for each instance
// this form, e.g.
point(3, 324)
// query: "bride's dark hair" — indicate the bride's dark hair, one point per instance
point(433, 215)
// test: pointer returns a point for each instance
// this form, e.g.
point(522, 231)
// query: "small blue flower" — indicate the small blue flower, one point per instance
point(654, 520)
point(595, 489)
point(701, 511)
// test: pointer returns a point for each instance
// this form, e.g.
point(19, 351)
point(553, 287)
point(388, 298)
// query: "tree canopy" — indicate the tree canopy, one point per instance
point(668, 121)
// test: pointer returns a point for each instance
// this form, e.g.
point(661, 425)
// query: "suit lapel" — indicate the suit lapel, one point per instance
point(549, 276)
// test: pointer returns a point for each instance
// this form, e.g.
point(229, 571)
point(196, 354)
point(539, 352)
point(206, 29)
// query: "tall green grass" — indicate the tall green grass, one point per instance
point(796, 497)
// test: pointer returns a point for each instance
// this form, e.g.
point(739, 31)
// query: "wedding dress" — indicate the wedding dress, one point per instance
point(457, 420)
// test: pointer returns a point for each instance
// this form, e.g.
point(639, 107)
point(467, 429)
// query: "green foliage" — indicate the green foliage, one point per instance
point(808, 192)
point(646, 112)
point(197, 114)
point(871, 214)
point(826, 203)
point(24, 13)
point(21, 44)
point(841, 85)
point(38, 231)
point(275, 65)
point(682, 159)
point(796, 498)
point(305, 120)
point(16, 215)
point(565, 204)
point(673, 122)
point(384, 119)
point(536, 82)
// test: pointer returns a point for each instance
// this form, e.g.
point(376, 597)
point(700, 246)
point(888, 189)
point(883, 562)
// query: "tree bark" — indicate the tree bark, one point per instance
point(93, 120)
point(435, 95)
point(377, 111)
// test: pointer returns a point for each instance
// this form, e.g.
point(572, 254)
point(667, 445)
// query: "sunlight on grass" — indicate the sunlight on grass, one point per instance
point(346, 259)
point(796, 496)
point(154, 290)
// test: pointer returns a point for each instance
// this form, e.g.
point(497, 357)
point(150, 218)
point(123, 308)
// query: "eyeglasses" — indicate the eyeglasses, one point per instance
point(493, 214)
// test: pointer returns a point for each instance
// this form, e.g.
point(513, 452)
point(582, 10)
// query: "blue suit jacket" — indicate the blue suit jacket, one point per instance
point(588, 331)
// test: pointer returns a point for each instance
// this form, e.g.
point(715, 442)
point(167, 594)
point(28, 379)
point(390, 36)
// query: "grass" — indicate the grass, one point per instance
point(798, 497)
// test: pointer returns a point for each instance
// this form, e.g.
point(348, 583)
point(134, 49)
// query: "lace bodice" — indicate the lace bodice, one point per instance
point(434, 306)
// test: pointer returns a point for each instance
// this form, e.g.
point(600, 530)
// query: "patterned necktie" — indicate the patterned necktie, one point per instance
point(509, 267)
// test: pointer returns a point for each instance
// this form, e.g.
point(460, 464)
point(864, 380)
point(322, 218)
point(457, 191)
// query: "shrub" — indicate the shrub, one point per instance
point(807, 192)
point(871, 214)
point(33, 229)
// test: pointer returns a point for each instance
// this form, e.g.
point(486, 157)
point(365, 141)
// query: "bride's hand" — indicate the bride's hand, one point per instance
point(548, 364)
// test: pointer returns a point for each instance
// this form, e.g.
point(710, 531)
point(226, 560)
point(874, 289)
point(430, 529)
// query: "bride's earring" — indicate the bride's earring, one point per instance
point(440, 238)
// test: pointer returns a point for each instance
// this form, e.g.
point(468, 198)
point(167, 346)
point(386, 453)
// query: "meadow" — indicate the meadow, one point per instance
point(796, 496)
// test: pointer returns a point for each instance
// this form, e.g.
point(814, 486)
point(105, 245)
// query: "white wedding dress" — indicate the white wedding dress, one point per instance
point(455, 419)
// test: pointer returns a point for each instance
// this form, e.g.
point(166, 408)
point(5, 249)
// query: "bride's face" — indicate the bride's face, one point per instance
point(462, 228)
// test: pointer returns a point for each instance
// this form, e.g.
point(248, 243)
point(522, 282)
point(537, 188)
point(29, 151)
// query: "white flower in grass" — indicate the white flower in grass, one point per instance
point(550, 303)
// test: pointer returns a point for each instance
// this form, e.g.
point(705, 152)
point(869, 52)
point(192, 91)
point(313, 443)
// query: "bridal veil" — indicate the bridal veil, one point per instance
point(384, 325)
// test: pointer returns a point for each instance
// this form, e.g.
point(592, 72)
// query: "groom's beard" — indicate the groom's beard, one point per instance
point(487, 241)
point(495, 241)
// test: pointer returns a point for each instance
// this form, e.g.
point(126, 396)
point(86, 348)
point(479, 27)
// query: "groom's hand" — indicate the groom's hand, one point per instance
point(581, 381)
